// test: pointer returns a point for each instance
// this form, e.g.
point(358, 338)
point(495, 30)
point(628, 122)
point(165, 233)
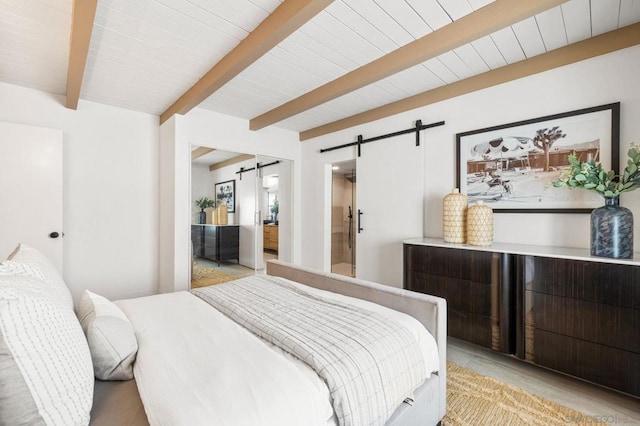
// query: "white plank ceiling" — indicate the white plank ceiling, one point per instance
point(144, 54)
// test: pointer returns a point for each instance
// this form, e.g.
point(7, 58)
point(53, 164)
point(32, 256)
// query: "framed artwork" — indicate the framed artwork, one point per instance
point(226, 193)
point(511, 167)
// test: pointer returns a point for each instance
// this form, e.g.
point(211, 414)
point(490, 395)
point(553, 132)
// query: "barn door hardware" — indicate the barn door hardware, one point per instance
point(259, 166)
point(360, 141)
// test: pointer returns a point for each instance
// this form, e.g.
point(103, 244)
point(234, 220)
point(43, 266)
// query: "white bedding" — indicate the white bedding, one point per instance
point(427, 342)
point(204, 385)
point(229, 377)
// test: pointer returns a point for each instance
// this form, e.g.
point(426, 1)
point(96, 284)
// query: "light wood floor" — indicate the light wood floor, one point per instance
point(604, 405)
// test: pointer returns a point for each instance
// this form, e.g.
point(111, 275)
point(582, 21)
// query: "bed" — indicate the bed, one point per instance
point(194, 365)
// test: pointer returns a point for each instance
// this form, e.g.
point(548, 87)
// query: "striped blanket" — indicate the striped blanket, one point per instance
point(370, 364)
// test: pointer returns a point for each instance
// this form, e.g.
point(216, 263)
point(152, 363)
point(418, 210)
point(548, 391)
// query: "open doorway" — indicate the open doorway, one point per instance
point(274, 202)
point(343, 215)
point(270, 222)
point(255, 194)
point(222, 217)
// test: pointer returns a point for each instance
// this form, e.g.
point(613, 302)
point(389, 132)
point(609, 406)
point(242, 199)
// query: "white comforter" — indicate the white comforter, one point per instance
point(197, 367)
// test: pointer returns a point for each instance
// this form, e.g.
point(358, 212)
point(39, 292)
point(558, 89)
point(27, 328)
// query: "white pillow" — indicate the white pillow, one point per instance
point(111, 339)
point(26, 260)
point(46, 375)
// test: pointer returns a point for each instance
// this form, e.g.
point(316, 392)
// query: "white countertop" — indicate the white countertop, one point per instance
point(527, 250)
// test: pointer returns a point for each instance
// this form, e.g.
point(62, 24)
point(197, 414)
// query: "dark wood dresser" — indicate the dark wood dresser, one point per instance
point(555, 307)
point(216, 242)
point(476, 285)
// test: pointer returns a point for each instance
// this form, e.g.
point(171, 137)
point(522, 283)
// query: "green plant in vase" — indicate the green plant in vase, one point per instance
point(611, 225)
point(590, 175)
point(203, 203)
point(274, 210)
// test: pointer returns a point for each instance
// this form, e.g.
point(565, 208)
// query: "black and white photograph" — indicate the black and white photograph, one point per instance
point(226, 193)
point(512, 167)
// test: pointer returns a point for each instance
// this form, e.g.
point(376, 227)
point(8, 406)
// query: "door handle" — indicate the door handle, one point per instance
point(360, 228)
point(55, 235)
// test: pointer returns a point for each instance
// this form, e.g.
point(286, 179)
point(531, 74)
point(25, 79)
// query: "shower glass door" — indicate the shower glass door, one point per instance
point(343, 219)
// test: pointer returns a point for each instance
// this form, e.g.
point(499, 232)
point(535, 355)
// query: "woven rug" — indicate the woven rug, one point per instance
point(474, 400)
point(203, 276)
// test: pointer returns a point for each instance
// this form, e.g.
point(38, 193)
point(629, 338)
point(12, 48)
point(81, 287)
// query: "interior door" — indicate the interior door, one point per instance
point(245, 212)
point(31, 190)
point(389, 206)
point(274, 185)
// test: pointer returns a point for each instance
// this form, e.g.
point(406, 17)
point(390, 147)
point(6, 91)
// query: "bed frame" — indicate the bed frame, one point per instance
point(117, 403)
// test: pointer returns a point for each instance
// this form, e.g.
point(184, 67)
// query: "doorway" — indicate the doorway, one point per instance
point(343, 218)
point(257, 192)
point(31, 156)
point(222, 240)
point(274, 225)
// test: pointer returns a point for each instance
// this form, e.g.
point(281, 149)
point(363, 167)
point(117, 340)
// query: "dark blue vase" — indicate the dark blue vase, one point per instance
point(202, 217)
point(612, 230)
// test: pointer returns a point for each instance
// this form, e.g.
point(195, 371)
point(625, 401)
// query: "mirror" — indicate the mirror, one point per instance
point(222, 235)
point(257, 193)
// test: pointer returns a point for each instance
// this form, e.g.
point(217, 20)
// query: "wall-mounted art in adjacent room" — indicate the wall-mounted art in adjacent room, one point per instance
point(226, 193)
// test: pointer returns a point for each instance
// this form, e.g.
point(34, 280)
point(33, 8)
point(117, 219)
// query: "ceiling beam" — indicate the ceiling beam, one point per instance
point(286, 19)
point(84, 12)
point(200, 151)
point(589, 48)
point(486, 20)
point(230, 161)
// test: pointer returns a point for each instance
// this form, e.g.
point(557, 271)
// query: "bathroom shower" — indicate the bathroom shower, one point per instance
point(343, 241)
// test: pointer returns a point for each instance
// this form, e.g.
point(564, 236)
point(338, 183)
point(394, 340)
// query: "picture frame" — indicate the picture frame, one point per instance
point(508, 167)
point(226, 193)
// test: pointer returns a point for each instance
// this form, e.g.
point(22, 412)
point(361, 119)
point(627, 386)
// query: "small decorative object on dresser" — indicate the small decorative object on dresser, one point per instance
point(611, 224)
point(612, 230)
point(203, 203)
point(222, 214)
point(214, 217)
point(454, 217)
point(480, 225)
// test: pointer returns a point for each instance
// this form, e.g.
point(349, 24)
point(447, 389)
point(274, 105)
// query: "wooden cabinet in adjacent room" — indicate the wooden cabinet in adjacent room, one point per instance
point(270, 237)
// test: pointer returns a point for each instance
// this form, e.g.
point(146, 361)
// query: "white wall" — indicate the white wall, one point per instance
point(201, 186)
point(605, 79)
point(110, 190)
point(286, 200)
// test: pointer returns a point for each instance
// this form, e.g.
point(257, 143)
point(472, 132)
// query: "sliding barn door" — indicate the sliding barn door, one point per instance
point(389, 195)
point(31, 190)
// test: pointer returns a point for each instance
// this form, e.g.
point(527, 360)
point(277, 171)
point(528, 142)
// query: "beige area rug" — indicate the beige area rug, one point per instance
point(203, 276)
point(475, 400)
